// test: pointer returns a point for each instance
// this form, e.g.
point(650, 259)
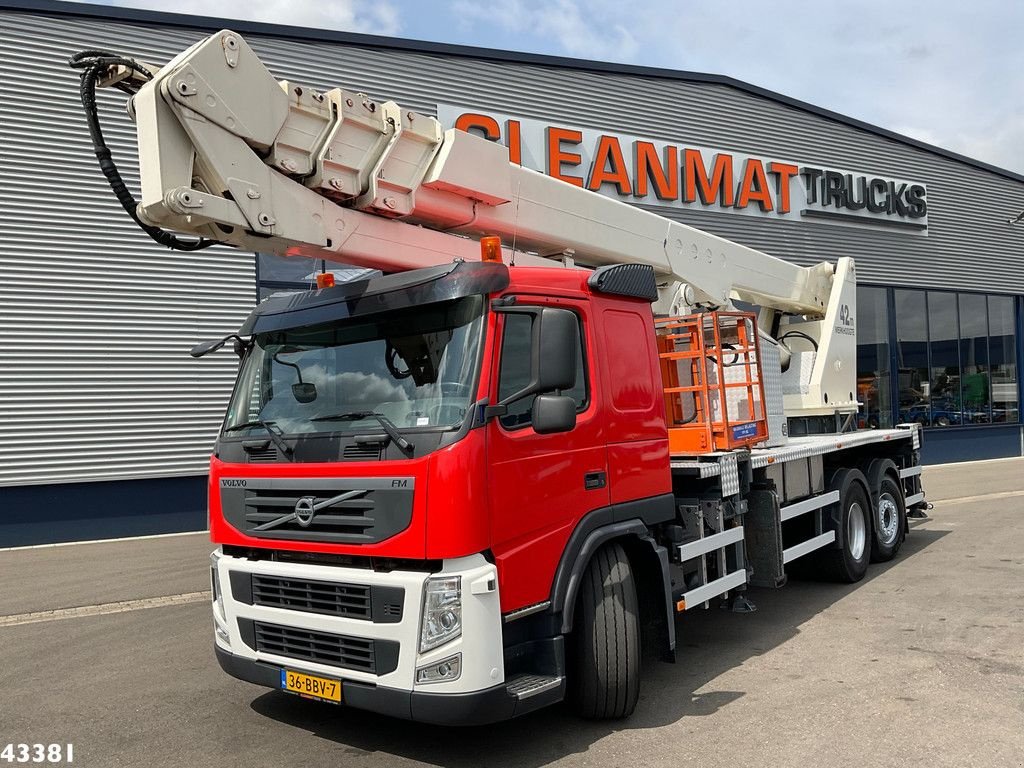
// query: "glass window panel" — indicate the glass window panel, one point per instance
point(270, 290)
point(347, 274)
point(974, 359)
point(411, 365)
point(516, 352)
point(873, 387)
point(912, 356)
point(287, 269)
point(944, 350)
point(1003, 359)
point(515, 373)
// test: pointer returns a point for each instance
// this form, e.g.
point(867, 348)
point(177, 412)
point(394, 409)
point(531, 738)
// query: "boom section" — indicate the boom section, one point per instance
point(230, 153)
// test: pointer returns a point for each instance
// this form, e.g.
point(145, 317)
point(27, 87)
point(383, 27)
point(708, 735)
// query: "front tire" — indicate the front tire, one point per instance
point(890, 521)
point(605, 676)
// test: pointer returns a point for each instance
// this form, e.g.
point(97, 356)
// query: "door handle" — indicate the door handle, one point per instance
point(594, 480)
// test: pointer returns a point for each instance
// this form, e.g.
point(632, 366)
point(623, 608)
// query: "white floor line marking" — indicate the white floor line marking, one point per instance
point(969, 463)
point(980, 497)
point(102, 609)
point(105, 541)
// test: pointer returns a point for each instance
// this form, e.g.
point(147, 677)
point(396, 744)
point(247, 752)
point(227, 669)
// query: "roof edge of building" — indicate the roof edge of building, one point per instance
point(123, 13)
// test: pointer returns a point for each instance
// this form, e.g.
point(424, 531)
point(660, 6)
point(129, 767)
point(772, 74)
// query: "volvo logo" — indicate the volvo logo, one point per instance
point(305, 508)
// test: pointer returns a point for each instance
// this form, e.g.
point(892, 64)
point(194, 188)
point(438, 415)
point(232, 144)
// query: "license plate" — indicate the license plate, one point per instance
point(311, 686)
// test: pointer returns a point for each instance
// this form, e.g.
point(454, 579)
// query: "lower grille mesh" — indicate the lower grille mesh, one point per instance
point(349, 600)
point(320, 647)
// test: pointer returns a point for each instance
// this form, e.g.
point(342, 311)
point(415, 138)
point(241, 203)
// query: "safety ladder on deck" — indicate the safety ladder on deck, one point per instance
point(725, 533)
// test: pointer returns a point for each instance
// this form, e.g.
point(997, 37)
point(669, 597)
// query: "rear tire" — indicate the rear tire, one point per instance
point(605, 679)
point(890, 521)
point(849, 563)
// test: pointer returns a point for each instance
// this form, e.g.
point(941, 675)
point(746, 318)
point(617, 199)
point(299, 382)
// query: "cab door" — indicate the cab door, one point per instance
point(541, 485)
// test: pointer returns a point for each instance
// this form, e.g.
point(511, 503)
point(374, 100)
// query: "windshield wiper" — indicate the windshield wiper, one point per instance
point(286, 449)
point(386, 424)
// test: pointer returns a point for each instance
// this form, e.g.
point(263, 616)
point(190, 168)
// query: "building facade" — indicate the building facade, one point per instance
point(106, 423)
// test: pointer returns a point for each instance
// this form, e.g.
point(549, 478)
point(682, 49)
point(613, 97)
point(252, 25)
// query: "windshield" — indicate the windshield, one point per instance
point(415, 368)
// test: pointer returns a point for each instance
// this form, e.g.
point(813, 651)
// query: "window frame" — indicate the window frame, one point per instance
point(1017, 304)
point(533, 310)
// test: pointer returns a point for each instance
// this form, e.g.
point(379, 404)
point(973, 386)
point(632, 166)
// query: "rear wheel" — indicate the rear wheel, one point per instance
point(605, 676)
point(849, 563)
point(890, 521)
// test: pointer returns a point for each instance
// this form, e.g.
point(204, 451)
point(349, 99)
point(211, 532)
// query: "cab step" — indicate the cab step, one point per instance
point(526, 686)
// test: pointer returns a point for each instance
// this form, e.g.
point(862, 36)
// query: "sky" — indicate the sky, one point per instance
point(947, 72)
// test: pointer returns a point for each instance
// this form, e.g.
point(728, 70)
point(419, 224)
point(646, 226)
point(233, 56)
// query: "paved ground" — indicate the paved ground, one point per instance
point(920, 664)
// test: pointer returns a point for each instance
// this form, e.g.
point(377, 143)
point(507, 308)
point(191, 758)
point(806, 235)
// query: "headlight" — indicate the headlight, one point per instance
point(442, 611)
point(218, 593)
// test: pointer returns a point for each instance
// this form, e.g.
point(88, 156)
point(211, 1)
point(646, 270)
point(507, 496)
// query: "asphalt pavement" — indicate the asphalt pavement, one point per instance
point(108, 646)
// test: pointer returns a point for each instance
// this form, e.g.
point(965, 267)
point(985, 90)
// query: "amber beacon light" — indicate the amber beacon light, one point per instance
point(490, 248)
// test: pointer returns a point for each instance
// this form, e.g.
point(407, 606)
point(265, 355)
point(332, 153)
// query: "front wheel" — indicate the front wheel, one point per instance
point(605, 674)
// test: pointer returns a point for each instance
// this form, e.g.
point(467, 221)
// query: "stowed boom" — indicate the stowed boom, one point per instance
point(231, 154)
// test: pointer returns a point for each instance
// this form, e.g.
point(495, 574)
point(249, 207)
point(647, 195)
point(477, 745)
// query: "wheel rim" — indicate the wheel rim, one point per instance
point(888, 518)
point(856, 531)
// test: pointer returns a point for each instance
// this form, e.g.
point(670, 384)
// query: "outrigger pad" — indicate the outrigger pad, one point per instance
point(738, 604)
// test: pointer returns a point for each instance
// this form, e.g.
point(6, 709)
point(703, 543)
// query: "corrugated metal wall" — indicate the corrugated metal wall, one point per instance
point(96, 320)
point(94, 382)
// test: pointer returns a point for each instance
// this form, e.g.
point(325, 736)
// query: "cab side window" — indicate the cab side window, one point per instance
point(516, 351)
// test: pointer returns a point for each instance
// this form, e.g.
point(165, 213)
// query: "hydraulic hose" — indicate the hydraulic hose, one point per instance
point(92, 65)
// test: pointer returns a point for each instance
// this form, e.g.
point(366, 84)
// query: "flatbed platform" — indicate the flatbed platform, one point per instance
point(710, 464)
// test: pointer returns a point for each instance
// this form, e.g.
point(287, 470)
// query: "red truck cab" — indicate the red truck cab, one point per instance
point(473, 419)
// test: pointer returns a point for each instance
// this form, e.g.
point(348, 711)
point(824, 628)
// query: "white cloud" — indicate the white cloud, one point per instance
point(595, 30)
point(376, 17)
point(945, 71)
point(1003, 145)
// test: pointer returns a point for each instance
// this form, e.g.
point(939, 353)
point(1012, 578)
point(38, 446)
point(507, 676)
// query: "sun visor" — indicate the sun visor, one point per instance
point(374, 295)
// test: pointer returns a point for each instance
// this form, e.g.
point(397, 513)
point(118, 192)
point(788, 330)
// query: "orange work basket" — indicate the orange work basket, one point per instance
point(711, 370)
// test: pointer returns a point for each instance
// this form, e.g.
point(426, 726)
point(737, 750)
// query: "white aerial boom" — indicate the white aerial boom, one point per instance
point(229, 153)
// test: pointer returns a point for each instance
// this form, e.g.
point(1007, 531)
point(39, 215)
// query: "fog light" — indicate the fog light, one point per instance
point(443, 671)
point(222, 634)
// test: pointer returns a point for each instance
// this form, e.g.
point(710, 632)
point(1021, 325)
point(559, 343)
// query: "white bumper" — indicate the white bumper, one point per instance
point(480, 643)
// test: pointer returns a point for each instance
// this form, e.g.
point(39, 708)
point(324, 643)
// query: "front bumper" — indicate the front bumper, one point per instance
point(388, 683)
point(481, 707)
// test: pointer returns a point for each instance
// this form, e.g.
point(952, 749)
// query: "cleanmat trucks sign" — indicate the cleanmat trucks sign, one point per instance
point(682, 175)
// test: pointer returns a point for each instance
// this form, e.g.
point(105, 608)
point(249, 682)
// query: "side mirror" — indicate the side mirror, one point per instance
point(553, 413)
point(206, 347)
point(555, 354)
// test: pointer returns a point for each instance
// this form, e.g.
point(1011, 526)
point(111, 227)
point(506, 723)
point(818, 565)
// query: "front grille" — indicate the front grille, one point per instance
point(381, 604)
point(344, 511)
point(376, 657)
point(349, 600)
point(350, 517)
